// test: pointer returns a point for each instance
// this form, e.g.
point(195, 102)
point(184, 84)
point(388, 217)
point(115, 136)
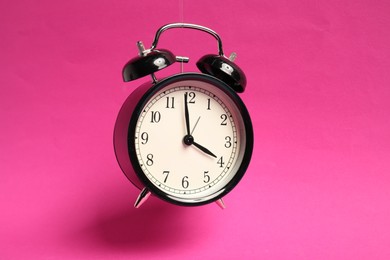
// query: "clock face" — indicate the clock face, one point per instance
point(189, 141)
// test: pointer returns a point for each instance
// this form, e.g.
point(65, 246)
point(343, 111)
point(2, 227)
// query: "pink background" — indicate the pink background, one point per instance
point(318, 92)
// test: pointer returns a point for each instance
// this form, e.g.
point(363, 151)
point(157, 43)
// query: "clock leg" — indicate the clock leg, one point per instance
point(220, 203)
point(142, 197)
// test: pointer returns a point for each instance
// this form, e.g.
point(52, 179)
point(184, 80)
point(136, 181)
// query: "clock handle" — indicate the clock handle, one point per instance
point(187, 26)
point(218, 66)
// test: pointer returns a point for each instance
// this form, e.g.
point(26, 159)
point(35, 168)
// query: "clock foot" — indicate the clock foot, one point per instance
point(220, 203)
point(142, 197)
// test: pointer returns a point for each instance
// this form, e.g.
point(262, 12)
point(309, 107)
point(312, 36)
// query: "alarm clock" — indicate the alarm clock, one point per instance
point(188, 138)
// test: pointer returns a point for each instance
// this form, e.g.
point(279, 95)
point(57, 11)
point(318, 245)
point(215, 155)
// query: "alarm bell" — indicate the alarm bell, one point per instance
point(147, 63)
point(223, 69)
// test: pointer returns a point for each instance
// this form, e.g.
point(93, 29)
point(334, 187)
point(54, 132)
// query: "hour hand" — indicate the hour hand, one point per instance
point(204, 149)
point(189, 140)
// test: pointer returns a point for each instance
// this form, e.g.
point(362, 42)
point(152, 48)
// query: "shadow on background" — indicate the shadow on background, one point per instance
point(115, 225)
point(154, 226)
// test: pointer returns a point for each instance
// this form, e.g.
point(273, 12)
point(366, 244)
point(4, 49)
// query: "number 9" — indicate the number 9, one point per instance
point(144, 138)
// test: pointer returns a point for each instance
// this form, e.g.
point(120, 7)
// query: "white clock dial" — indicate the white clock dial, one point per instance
point(194, 161)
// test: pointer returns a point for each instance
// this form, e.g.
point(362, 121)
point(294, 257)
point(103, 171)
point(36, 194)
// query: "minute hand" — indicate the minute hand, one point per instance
point(186, 114)
point(203, 149)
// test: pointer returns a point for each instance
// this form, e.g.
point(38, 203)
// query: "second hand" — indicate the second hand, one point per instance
point(193, 129)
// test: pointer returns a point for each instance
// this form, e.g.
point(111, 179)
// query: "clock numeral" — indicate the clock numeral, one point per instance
point(224, 119)
point(170, 102)
point(208, 104)
point(166, 176)
point(206, 177)
point(149, 160)
point(156, 117)
point(228, 143)
point(184, 182)
point(191, 96)
point(221, 162)
point(144, 137)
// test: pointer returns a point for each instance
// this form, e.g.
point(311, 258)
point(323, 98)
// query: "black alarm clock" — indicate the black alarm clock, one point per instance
point(187, 138)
